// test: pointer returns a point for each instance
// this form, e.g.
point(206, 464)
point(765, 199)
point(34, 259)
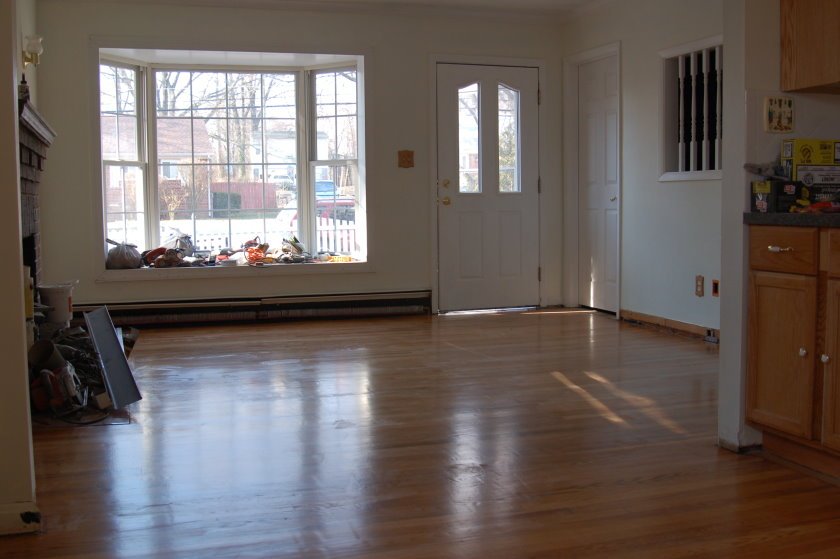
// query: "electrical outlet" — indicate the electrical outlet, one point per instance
point(699, 286)
point(715, 288)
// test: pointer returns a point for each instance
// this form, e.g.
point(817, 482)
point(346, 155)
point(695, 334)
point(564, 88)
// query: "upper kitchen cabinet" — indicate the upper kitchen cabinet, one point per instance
point(810, 45)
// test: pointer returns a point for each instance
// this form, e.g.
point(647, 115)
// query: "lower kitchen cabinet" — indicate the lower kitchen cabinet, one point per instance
point(782, 336)
point(793, 359)
point(830, 360)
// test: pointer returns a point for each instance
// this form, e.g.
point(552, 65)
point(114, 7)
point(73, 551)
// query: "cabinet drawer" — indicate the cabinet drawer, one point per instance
point(784, 249)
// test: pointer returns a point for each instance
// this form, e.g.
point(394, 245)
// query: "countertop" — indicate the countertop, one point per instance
point(794, 220)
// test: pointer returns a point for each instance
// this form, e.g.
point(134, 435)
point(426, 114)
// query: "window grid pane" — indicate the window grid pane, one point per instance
point(242, 162)
point(336, 112)
point(124, 204)
point(336, 189)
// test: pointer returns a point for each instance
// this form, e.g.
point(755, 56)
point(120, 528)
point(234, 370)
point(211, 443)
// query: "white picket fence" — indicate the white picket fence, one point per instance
point(332, 235)
point(336, 235)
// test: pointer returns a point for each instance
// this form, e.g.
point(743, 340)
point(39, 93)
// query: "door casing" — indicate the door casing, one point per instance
point(434, 60)
point(571, 219)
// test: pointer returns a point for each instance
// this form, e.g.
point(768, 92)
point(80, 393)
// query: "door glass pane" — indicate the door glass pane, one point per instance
point(508, 140)
point(469, 145)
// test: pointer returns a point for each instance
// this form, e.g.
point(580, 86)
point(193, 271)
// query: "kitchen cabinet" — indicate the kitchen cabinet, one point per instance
point(830, 359)
point(781, 352)
point(793, 358)
point(782, 328)
point(810, 33)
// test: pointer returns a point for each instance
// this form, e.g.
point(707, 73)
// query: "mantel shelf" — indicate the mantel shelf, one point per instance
point(35, 123)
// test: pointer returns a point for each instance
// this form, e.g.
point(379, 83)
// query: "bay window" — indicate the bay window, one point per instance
point(229, 153)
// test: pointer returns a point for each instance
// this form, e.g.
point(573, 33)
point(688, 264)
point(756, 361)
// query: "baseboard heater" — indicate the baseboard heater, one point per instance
point(267, 308)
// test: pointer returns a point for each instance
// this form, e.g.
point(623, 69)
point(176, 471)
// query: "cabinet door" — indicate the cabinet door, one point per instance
point(782, 336)
point(831, 358)
point(809, 37)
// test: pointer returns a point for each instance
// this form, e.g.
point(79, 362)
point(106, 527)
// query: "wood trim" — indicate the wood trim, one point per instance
point(829, 397)
point(788, 53)
point(797, 454)
point(19, 518)
point(35, 123)
point(668, 324)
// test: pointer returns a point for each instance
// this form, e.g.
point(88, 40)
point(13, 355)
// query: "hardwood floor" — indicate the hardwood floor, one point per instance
point(539, 435)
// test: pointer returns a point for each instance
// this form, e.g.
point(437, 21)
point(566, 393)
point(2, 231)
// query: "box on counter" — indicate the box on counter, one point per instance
point(824, 193)
point(774, 196)
point(813, 175)
point(801, 151)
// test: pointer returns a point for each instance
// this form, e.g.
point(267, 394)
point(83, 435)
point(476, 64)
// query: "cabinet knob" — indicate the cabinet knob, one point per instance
point(803, 352)
point(777, 249)
point(825, 358)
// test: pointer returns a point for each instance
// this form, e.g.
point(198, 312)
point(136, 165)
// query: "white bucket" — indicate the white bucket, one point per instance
point(59, 296)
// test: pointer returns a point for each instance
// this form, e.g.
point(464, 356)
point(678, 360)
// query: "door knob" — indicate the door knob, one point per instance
point(445, 201)
point(613, 199)
point(825, 358)
point(803, 352)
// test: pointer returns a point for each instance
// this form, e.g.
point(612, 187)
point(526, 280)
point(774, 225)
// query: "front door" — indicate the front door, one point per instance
point(598, 183)
point(488, 199)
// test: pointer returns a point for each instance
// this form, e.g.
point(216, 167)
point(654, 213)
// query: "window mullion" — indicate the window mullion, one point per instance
point(308, 150)
point(149, 147)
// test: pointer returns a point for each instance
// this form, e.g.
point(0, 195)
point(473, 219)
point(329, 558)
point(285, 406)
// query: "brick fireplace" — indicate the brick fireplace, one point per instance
point(35, 137)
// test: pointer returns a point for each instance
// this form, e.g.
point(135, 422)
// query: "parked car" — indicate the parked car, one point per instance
point(325, 189)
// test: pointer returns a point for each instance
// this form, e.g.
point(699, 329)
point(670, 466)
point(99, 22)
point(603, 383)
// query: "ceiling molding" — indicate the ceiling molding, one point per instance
point(563, 10)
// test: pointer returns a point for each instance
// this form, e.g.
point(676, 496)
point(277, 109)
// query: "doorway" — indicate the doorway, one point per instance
point(487, 186)
point(593, 179)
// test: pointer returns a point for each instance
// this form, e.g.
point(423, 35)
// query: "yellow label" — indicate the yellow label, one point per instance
point(802, 151)
point(761, 187)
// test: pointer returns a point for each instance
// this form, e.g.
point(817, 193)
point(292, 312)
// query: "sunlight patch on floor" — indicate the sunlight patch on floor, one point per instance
point(596, 404)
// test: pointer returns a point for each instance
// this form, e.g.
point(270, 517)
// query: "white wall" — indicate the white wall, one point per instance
point(26, 26)
point(670, 231)
point(753, 43)
point(17, 480)
point(398, 73)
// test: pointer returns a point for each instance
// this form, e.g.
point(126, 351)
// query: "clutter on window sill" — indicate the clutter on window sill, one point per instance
point(179, 252)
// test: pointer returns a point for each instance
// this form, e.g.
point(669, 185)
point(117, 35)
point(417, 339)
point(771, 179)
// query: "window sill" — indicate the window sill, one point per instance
point(688, 176)
point(215, 272)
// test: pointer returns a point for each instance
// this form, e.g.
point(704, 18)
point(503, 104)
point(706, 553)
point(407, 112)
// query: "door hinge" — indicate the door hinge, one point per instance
point(539, 96)
point(539, 273)
point(539, 185)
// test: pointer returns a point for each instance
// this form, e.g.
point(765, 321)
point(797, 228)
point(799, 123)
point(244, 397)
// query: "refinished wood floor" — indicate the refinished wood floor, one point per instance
point(550, 434)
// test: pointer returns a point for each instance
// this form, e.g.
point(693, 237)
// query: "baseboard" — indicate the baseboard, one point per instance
point(813, 461)
point(709, 334)
point(737, 448)
point(268, 308)
point(19, 518)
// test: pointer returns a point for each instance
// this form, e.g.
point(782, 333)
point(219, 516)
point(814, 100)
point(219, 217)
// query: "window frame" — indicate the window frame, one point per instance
point(669, 107)
point(141, 162)
point(313, 161)
point(306, 124)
